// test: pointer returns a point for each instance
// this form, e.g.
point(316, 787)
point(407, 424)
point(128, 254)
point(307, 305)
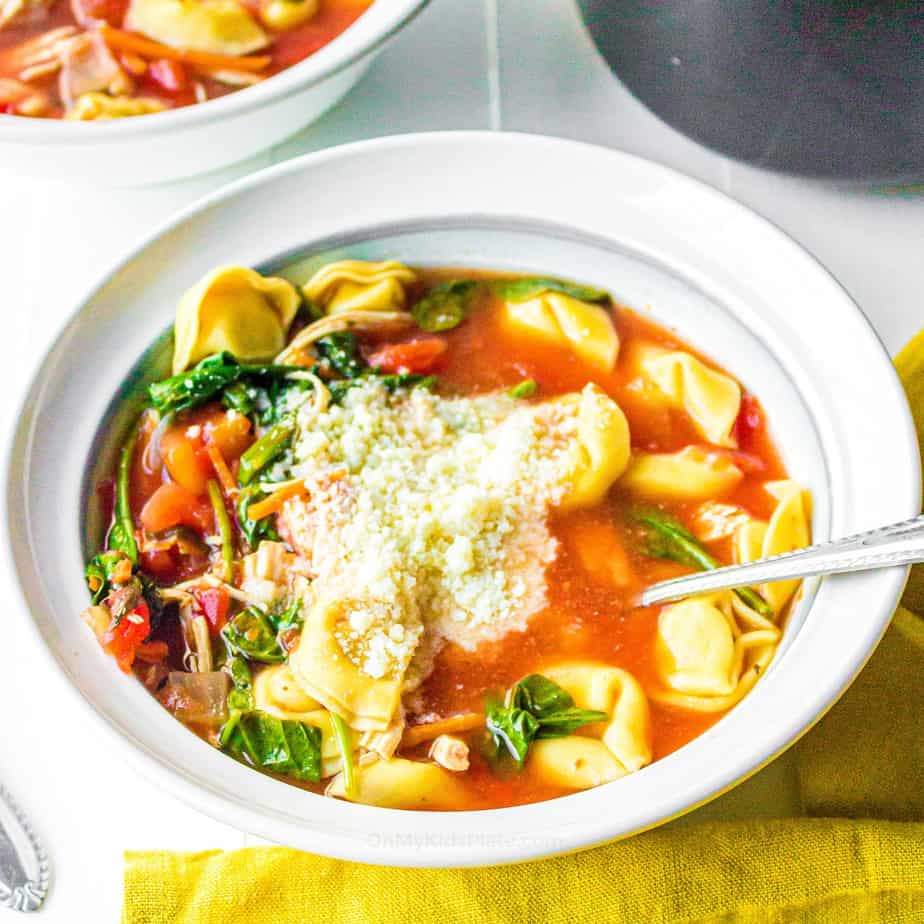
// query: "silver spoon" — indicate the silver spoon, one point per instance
point(886, 547)
point(23, 861)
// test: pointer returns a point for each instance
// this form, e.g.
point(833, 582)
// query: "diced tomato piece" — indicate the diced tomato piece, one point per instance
point(748, 422)
point(8, 108)
point(159, 563)
point(416, 356)
point(169, 75)
point(111, 11)
point(214, 602)
point(186, 459)
point(173, 505)
point(122, 640)
point(231, 433)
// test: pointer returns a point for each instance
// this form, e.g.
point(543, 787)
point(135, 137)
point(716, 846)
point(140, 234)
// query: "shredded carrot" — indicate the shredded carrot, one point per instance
point(152, 652)
point(273, 503)
point(225, 478)
point(127, 41)
point(417, 734)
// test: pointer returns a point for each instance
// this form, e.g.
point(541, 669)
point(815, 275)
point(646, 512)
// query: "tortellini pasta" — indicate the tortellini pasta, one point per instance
point(618, 693)
point(574, 763)
point(598, 448)
point(355, 285)
point(696, 647)
point(711, 399)
point(602, 752)
point(236, 309)
point(325, 672)
point(787, 531)
point(402, 784)
point(710, 650)
point(688, 475)
point(276, 691)
point(217, 26)
point(287, 14)
point(585, 329)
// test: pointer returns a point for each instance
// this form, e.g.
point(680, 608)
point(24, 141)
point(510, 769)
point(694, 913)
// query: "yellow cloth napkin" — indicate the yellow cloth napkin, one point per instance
point(853, 852)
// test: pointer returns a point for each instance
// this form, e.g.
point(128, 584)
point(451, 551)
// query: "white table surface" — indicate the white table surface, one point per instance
point(523, 65)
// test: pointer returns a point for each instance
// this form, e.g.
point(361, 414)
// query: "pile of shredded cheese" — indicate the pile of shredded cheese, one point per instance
point(430, 512)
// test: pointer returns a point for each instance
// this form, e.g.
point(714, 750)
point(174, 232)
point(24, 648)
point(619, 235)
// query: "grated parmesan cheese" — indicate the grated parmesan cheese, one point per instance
point(438, 526)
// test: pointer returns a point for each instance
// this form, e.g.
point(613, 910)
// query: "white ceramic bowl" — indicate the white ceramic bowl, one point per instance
point(197, 139)
point(726, 279)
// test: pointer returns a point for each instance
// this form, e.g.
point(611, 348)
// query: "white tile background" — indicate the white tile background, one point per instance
point(520, 65)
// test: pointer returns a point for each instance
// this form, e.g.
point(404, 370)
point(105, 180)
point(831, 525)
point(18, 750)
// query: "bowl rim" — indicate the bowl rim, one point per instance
point(442, 839)
point(344, 50)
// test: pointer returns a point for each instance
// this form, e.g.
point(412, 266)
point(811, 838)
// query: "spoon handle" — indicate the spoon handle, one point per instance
point(885, 547)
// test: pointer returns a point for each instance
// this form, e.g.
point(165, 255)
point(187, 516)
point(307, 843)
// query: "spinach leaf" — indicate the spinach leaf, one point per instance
point(511, 729)
point(445, 306)
point(289, 617)
point(239, 670)
point(535, 707)
point(342, 351)
point(208, 380)
point(519, 290)
point(264, 451)
point(282, 746)
point(122, 532)
point(252, 634)
point(240, 697)
point(525, 389)
point(666, 538)
point(98, 574)
point(540, 696)
point(254, 531)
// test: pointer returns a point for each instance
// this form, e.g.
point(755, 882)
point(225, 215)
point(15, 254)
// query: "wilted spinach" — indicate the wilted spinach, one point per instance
point(665, 537)
point(519, 290)
point(445, 306)
point(534, 708)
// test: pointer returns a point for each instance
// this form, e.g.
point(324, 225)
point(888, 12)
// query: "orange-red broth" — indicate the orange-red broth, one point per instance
point(598, 568)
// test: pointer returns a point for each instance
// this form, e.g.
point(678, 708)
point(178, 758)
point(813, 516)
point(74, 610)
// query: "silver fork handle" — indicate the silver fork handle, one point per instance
point(885, 547)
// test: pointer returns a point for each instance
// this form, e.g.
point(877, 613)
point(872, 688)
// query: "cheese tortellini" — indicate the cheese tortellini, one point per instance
point(711, 399)
point(585, 329)
point(287, 14)
point(216, 26)
point(402, 784)
point(787, 531)
point(236, 309)
point(710, 650)
point(598, 449)
point(324, 671)
point(355, 285)
point(605, 751)
point(688, 475)
point(277, 692)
